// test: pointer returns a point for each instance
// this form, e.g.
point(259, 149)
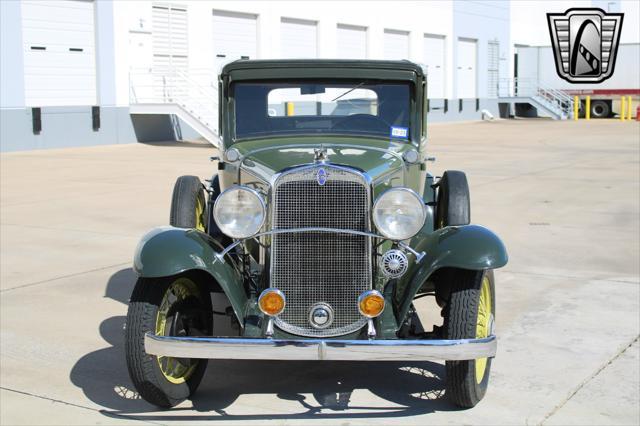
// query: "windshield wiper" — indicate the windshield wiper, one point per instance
point(347, 92)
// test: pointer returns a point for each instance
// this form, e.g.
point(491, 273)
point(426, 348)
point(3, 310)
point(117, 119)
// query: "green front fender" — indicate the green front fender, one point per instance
point(467, 247)
point(167, 251)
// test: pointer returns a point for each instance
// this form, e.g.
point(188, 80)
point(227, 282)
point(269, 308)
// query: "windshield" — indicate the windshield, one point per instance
point(316, 107)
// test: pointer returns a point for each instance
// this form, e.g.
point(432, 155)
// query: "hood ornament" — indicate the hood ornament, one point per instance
point(320, 154)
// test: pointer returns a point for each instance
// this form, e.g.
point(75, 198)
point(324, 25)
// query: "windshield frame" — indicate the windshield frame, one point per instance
point(415, 125)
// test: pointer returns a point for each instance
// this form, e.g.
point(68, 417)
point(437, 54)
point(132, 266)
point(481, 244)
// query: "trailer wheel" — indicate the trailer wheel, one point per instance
point(600, 109)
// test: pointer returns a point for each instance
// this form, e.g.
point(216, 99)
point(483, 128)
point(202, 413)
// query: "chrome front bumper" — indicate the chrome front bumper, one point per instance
point(318, 349)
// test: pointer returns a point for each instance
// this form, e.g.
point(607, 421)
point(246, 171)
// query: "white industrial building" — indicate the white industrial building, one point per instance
point(81, 72)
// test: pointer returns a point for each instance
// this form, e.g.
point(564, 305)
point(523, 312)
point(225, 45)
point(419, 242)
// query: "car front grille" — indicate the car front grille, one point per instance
point(321, 267)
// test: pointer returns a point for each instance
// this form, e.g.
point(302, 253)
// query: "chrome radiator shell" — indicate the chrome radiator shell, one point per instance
point(316, 267)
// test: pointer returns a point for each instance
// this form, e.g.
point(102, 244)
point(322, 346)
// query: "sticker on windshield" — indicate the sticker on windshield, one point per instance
point(399, 132)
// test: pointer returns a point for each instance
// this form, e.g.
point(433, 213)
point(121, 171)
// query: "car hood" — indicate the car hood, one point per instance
point(266, 157)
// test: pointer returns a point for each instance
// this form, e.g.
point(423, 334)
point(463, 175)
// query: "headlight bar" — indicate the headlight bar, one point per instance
point(418, 255)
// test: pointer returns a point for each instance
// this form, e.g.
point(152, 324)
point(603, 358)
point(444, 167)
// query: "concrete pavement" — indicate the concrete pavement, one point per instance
point(564, 196)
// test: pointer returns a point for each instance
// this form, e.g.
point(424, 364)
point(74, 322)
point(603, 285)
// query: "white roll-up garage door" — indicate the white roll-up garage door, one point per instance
point(396, 44)
point(299, 38)
point(59, 52)
point(466, 73)
point(170, 37)
point(493, 68)
point(351, 42)
point(434, 59)
point(235, 36)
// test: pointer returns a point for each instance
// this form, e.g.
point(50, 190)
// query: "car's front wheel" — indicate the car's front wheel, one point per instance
point(188, 204)
point(469, 314)
point(175, 306)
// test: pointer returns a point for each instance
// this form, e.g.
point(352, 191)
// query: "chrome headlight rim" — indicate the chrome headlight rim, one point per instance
point(381, 196)
point(252, 191)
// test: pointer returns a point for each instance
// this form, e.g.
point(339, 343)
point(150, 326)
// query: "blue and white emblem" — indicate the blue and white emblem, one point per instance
point(321, 177)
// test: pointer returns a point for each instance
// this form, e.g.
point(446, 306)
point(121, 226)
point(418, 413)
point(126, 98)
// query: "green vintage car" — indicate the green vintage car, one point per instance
point(316, 233)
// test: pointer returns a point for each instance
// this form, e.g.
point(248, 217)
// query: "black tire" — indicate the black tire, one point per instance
point(460, 322)
point(188, 193)
point(453, 205)
point(144, 370)
point(212, 227)
point(600, 109)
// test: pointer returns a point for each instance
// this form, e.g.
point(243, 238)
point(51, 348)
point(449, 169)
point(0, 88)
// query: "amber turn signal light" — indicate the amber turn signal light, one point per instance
point(272, 302)
point(371, 303)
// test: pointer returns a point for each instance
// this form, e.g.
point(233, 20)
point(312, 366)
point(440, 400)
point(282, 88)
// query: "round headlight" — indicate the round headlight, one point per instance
point(239, 212)
point(399, 214)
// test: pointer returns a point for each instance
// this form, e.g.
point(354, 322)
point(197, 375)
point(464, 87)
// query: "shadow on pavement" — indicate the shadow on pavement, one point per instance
point(182, 144)
point(409, 388)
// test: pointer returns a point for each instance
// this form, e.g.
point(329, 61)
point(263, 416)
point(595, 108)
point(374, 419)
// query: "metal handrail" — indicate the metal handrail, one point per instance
point(534, 88)
point(197, 86)
point(174, 86)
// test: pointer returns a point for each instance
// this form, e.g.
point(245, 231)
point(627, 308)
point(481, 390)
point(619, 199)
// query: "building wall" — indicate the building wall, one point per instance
point(63, 125)
point(537, 64)
point(11, 57)
point(483, 22)
point(123, 37)
point(70, 126)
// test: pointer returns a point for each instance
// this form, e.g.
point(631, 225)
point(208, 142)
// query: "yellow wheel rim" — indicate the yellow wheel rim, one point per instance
point(483, 324)
point(200, 214)
point(174, 369)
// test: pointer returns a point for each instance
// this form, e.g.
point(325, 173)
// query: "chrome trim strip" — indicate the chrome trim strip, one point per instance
point(296, 169)
point(330, 145)
point(320, 349)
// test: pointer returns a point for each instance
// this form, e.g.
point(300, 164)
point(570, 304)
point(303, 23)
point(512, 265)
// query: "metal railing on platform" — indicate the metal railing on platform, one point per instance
point(191, 90)
point(553, 99)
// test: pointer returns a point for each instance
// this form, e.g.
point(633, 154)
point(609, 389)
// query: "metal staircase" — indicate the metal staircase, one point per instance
point(176, 92)
point(553, 102)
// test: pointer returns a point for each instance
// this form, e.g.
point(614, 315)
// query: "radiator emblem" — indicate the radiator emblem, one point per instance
point(321, 177)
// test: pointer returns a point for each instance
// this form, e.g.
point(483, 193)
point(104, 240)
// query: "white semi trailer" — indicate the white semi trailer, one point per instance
point(536, 66)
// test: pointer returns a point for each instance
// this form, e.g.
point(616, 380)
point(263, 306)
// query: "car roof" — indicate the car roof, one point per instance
point(245, 69)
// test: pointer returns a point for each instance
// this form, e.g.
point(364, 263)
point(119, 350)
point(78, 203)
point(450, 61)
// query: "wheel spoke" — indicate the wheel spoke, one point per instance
point(171, 322)
point(482, 324)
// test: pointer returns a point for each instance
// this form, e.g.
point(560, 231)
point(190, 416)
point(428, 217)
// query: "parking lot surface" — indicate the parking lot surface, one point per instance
point(564, 196)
